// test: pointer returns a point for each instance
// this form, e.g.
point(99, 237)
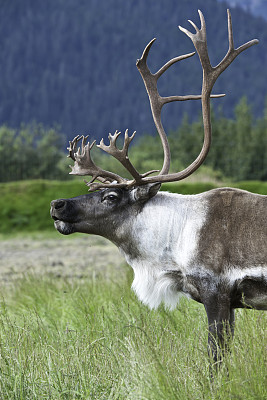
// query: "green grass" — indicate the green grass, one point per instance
point(24, 205)
point(95, 340)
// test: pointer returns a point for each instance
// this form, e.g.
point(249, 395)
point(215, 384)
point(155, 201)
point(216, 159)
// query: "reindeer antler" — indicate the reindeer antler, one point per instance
point(85, 166)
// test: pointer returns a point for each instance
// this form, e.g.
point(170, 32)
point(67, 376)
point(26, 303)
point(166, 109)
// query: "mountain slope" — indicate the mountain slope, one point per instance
point(255, 7)
point(73, 63)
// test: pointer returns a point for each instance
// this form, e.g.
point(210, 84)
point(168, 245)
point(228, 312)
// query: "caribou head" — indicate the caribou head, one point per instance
point(210, 247)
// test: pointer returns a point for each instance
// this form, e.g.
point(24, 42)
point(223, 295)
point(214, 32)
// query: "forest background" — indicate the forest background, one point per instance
point(68, 68)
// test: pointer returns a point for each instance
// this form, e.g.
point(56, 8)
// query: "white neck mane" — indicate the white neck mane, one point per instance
point(166, 235)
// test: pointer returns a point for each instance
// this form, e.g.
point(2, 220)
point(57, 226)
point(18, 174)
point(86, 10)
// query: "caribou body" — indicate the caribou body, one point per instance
point(210, 247)
point(207, 246)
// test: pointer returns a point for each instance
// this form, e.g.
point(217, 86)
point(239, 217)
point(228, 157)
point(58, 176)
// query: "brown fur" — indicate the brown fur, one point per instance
point(235, 231)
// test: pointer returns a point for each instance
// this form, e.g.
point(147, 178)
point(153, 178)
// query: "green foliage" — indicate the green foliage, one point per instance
point(95, 340)
point(186, 142)
point(30, 152)
point(24, 206)
point(239, 146)
point(59, 64)
point(253, 186)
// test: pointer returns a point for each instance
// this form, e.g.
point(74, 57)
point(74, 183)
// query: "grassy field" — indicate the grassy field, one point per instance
point(64, 337)
point(94, 340)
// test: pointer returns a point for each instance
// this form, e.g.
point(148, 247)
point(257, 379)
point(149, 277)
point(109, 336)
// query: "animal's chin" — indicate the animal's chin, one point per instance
point(65, 228)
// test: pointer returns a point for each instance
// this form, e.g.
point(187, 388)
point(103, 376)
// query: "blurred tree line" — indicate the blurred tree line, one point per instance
point(31, 152)
point(238, 151)
point(239, 145)
point(73, 62)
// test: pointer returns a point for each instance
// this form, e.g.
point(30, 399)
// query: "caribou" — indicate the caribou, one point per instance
point(210, 247)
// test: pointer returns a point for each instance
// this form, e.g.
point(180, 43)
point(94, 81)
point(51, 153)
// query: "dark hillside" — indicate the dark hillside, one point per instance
point(255, 7)
point(73, 62)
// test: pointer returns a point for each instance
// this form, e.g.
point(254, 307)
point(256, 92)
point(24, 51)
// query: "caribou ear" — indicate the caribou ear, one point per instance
point(144, 192)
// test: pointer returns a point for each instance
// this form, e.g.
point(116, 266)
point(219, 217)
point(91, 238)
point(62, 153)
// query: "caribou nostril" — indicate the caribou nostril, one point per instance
point(59, 204)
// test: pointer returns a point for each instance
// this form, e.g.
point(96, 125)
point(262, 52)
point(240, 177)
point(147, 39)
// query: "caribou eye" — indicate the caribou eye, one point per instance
point(111, 197)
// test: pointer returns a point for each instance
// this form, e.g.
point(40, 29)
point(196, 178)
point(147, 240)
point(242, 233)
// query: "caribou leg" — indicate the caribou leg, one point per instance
point(221, 319)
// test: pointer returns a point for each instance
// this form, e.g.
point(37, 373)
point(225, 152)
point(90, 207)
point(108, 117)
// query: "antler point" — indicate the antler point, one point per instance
point(91, 145)
point(101, 143)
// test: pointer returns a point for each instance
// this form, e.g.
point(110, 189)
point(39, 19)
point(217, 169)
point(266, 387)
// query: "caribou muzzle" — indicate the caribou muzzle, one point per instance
point(58, 208)
point(62, 212)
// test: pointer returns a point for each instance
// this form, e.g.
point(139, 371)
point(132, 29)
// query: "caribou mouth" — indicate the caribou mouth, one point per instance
point(65, 228)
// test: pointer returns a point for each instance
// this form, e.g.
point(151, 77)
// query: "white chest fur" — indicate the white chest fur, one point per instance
point(166, 234)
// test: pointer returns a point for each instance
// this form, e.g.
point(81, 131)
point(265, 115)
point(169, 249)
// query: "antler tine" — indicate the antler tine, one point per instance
point(230, 31)
point(121, 155)
point(171, 62)
point(202, 21)
point(232, 52)
point(72, 147)
point(210, 74)
point(111, 148)
point(84, 165)
point(146, 51)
